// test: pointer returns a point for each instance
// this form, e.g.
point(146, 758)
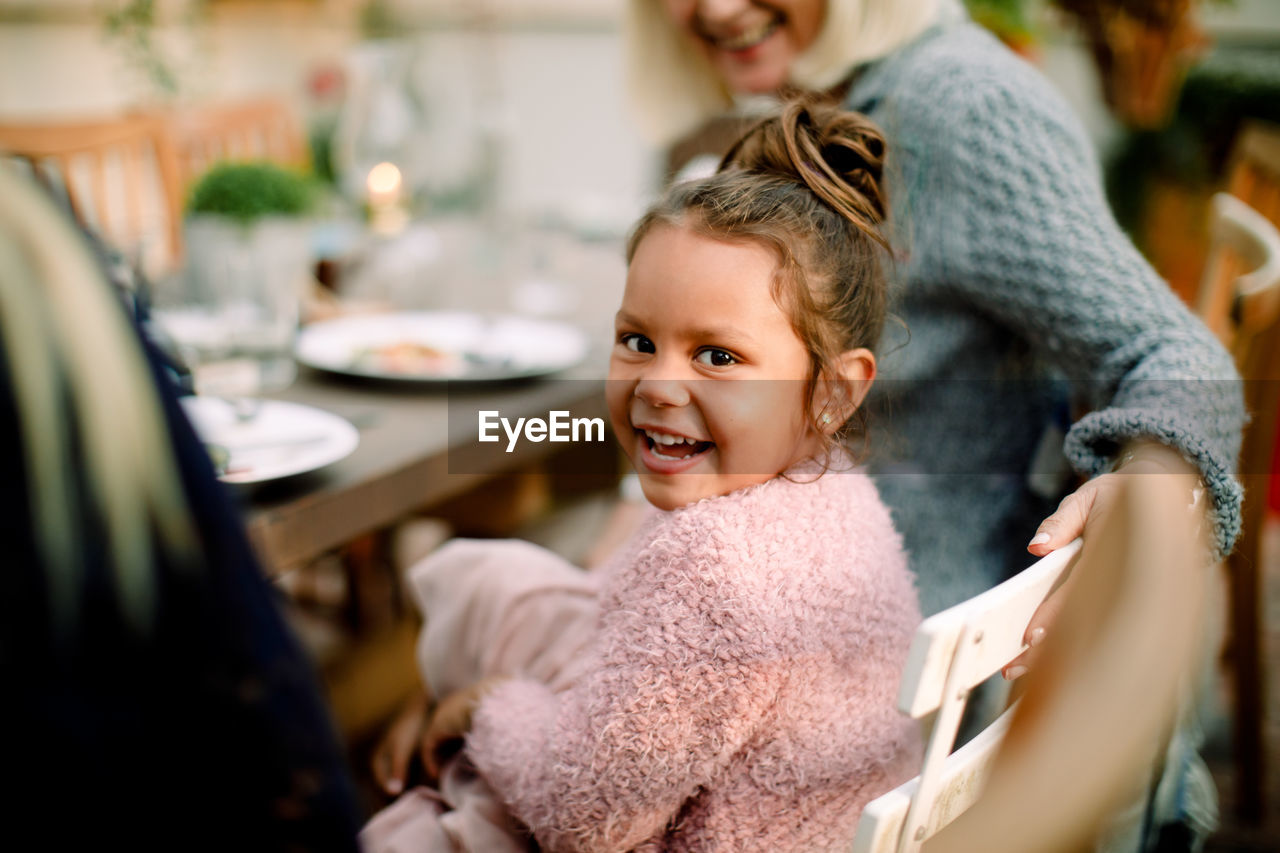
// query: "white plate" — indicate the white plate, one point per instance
point(279, 440)
point(440, 346)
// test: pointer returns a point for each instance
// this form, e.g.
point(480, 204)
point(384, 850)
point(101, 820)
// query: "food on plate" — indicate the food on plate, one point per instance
point(408, 357)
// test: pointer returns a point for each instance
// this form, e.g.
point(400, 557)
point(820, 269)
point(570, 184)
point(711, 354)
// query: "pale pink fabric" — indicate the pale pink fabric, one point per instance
point(463, 815)
point(734, 690)
point(489, 608)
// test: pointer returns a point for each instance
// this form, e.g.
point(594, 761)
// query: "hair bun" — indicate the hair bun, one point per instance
point(836, 153)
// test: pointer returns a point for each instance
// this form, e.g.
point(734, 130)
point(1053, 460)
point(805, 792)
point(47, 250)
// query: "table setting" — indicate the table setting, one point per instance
point(329, 329)
point(328, 407)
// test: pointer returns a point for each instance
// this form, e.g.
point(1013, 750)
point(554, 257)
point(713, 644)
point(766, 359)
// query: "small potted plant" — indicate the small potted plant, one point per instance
point(248, 263)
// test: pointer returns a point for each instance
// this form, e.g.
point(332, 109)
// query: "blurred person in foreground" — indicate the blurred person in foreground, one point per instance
point(155, 697)
point(1016, 288)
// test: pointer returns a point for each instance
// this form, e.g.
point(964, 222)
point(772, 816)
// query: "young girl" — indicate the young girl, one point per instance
point(728, 680)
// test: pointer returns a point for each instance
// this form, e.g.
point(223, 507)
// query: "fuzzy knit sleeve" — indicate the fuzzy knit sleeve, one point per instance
point(1007, 208)
point(682, 680)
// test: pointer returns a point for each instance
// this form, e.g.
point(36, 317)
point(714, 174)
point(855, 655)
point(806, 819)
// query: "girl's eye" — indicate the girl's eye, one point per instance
point(636, 343)
point(715, 358)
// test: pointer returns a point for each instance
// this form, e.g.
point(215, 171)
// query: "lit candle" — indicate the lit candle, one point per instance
point(384, 185)
point(385, 198)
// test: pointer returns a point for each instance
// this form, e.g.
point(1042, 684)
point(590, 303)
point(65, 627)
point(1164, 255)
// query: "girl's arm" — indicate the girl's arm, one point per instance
point(682, 682)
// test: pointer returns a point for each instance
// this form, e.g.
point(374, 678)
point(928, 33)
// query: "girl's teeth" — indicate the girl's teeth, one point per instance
point(663, 438)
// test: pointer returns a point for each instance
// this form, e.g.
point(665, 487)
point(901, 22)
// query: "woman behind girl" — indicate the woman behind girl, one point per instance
point(728, 680)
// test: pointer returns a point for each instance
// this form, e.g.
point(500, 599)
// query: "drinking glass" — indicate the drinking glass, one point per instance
point(233, 312)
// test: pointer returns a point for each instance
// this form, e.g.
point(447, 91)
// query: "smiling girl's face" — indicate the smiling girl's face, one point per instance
point(751, 43)
point(708, 379)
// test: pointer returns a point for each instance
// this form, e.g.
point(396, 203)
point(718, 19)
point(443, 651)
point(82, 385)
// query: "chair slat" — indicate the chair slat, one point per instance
point(999, 615)
point(884, 818)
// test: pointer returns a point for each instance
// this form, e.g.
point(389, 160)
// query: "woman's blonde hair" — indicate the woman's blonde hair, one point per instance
point(674, 88)
point(89, 421)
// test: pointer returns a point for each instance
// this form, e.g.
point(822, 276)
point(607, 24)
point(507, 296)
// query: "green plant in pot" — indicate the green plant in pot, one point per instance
point(248, 251)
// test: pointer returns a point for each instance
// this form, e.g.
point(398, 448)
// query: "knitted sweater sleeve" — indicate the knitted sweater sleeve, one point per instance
point(1008, 212)
point(681, 683)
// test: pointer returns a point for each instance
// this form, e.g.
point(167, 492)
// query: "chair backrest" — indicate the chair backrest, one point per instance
point(263, 128)
point(1253, 172)
point(953, 652)
point(1240, 288)
point(1240, 301)
point(120, 176)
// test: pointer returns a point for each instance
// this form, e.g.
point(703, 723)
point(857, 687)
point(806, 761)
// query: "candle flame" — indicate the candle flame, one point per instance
point(384, 179)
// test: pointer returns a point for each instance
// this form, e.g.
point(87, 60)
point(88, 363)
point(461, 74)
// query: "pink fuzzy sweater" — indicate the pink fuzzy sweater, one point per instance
point(741, 695)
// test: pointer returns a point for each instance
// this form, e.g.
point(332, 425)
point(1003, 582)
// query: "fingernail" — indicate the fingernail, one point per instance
point(394, 786)
point(1037, 634)
point(1039, 539)
point(1015, 672)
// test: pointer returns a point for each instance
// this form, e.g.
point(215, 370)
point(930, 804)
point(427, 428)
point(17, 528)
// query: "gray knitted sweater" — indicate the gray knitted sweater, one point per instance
point(1017, 288)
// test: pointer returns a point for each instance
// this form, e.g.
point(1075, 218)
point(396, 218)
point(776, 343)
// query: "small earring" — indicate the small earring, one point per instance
point(826, 419)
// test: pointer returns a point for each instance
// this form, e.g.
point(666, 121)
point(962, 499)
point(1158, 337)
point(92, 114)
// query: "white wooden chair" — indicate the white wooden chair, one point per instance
point(952, 652)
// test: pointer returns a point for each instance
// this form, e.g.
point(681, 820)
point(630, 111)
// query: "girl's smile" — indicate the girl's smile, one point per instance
point(708, 379)
point(671, 453)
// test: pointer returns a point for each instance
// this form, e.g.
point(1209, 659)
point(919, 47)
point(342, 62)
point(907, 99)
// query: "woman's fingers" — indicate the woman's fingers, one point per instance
point(1089, 505)
point(1037, 630)
point(1067, 523)
point(1068, 520)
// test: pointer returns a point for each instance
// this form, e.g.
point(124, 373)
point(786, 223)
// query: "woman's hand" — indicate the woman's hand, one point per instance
point(403, 737)
point(1088, 506)
point(450, 722)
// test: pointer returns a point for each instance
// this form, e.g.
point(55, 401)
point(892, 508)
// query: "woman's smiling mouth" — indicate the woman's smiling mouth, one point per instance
point(746, 39)
point(750, 38)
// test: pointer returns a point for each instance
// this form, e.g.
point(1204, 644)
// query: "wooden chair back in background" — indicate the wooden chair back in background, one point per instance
point(1240, 301)
point(256, 129)
point(120, 175)
point(1253, 171)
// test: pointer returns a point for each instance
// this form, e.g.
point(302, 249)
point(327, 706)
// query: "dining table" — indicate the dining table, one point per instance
point(416, 451)
point(418, 447)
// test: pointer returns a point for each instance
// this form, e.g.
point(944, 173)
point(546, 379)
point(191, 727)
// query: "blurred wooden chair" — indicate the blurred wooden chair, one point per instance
point(1240, 302)
point(1106, 687)
point(263, 128)
point(953, 652)
point(120, 176)
point(1253, 171)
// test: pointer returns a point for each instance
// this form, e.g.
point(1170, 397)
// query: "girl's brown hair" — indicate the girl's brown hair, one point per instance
point(807, 184)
